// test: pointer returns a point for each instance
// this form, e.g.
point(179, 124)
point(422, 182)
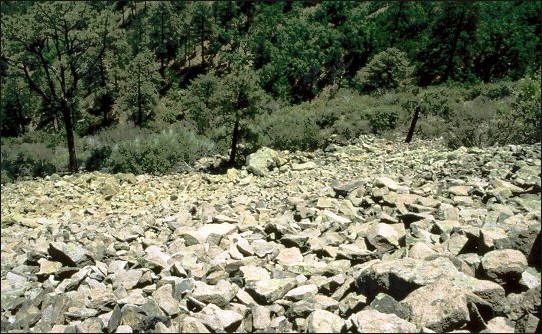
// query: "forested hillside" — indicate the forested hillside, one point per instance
point(149, 86)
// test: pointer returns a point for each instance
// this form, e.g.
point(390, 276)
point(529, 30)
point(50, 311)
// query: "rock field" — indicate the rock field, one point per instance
point(376, 236)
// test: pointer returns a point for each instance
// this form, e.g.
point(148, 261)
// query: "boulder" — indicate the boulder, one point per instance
point(373, 321)
point(321, 321)
point(439, 306)
point(504, 265)
point(267, 291)
point(260, 162)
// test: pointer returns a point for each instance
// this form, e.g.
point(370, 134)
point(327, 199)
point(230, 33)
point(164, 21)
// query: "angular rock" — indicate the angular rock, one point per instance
point(383, 237)
point(48, 267)
point(372, 321)
point(193, 325)
point(321, 321)
point(400, 277)
point(220, 294)
point(219, 320)
point(439, 306)
point(387, 304)
point(260, 162)
point(304, 166)
point(164, 299)
point(267, 291)
point(254, 273)
point(301, 292)
point(504, 265)
point(68, 254)
point(289, 255)
point(499, 325)
point(261, 317)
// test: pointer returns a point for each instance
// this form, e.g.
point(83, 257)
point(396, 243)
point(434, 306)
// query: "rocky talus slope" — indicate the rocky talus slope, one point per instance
point(376, 236)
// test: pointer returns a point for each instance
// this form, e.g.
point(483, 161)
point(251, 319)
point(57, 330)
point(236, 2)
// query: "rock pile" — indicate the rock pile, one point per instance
point(376, 236)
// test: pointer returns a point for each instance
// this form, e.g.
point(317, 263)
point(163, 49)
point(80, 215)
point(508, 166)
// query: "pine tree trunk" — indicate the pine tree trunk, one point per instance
point(413, 125)
point(139, 107)
point(201, 38)
point(234, 140)
point(162, 62)
point(451, 56)
point(69, 136)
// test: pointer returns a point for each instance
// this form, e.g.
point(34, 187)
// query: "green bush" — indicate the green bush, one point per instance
point(493, 91)
point(388, 69)
point(29, 160)
point(383, 118)
point(97, 158)
point(441, 100)
point(520, 123)
point(290, 129)
point(158, 153)
point(351, 126)
point(5, 177)
point(472, 123)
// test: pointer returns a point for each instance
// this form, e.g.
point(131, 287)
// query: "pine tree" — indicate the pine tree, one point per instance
point(139, 89)
point(49, 46)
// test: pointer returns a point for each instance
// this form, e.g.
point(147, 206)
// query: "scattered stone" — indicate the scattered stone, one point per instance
point(219, 320)
point(261, 317)
point(301, 292)
point(383, 237)
point(499, 325)
point(439, 306)
point(305, 166)
point(372, 321)
point(321, 321)
point(270, 290)
point(48, 267)
point(220, 294)
point(69, 254)
point(387, 304)
point(164, 298)
point(260, 162)
point(289, 255)
point(376, 236)
point(504, 265)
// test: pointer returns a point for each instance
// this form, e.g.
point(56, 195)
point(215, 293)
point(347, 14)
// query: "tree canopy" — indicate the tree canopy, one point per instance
point(81, 66)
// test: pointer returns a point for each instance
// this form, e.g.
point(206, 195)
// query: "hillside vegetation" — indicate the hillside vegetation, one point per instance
point(152, 87)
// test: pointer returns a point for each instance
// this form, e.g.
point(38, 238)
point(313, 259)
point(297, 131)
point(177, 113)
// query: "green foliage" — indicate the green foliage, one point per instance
point(501, 113)
point(388, 69)
point(521, 124)
point(159, 153)
point(198, 101)
point(28, 160)
point(383, 118)
point(290, 129)
point(309, 126)
point(224, 107)
point(140, 88)
point(449, 48)
point(300, 54)
point(472, 123)
point(97, 158)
